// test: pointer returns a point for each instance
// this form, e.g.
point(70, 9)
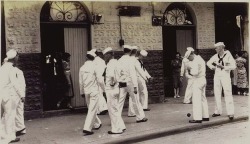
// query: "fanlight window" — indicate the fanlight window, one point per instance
point(177, 14)
point(67, 11)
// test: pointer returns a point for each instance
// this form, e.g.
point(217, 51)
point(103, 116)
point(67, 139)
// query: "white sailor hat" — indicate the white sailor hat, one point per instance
point(108, 49)
point(92, 53)
point(143, 53)
point(11, 54)
point(190, 48)
point(187, 54)
point(127, 46)
point(219, 44)
point(134, 47)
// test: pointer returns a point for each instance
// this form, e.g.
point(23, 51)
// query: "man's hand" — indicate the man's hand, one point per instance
point(220, 66)
point(83, 95)
point(135, 90)
point(22, 99)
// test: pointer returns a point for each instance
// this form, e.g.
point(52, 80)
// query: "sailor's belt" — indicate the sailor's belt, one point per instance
point(122, 84)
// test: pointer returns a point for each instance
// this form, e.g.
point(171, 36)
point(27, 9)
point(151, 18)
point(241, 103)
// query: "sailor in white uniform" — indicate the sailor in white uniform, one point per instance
point(188, 92)
point(112, 89)
point(197, 69)
point(100, 65)
point(11, 93)
point(128, 84)
point(222, 62)
point(89, 88)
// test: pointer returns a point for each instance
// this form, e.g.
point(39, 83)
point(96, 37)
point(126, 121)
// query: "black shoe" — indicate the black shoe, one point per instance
point(103, 112)
point(124, 130)
point(146, 109)
point(205, 119)
point(132, 116)
point(98, 127)
point(215, 115)
point(143, 120)
point(88, 132)
point(187, 103)
point(195, 121)
point(110, 132)
point(231, 117)
point(19, 133)
point(15, 140)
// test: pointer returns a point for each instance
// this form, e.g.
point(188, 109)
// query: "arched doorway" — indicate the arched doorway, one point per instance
point(179, 32)
point(65, 27)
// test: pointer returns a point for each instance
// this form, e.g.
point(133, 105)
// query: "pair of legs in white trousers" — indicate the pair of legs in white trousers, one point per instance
point(9, 106)
point(188, 92)
point(135, 101)
point(92, 119)
point(200, 107)
point(143, 96)
point(112, 102)
point(225, 83)
point(102, 104)
point(19, 120)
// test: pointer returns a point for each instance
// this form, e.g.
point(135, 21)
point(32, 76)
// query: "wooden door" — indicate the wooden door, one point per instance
point(184, 39)
point(76, 43)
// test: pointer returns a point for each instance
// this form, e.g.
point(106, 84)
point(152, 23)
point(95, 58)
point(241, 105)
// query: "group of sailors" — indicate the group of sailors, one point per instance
point(114, 79)
point(194, 68)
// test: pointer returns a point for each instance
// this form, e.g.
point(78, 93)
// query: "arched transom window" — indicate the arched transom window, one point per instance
point(65, 11)
point(177, 14)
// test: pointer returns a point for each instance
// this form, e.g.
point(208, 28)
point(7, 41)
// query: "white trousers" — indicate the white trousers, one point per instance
point(9, 106)
point(188, 92)
point(19, 119)
point(102, 104)
point(200, 107)
point(112, 102)
point(135, 101)
point(225, 83)
point(143, 96)
point(92, 119)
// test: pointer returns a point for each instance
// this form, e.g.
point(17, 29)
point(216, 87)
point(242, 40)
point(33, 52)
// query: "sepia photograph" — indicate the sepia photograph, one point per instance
point(123, 72)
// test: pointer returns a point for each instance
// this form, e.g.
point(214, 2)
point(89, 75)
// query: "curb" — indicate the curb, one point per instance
point(168, 132)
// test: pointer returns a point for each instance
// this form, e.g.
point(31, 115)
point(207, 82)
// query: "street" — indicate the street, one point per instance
point(233, 133)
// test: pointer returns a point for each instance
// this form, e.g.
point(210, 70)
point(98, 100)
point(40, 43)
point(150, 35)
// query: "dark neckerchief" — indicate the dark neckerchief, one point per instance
point(221, 59)
point(141, 64)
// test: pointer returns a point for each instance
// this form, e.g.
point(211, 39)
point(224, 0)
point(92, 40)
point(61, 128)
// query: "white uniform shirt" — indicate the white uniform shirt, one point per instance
point(139, 70)
point(126, 70)
point(100, 67)
point(87, 78)
point(198, 67)
point(111, 76)
point(9, 83)
point(229, 64)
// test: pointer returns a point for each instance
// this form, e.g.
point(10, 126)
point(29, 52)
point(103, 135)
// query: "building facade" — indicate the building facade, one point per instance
point(41, 30)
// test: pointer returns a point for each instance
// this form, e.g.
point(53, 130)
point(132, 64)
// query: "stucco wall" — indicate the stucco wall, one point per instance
point(23, 25)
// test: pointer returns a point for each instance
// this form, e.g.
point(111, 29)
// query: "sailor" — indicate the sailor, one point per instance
point(128, 84)
point(89, 88)
point(188, 92)
point(11, 93)
point(112, 90)
point(100, 65)
point(142, 87)
point(222, 62)
point(197, 70)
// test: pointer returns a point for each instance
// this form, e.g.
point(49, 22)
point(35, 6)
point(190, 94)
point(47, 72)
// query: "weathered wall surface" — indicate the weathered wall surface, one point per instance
point(23, 33)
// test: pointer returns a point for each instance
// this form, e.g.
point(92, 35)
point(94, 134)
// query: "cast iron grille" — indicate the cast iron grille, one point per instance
point(67, 11)
point(177, 14)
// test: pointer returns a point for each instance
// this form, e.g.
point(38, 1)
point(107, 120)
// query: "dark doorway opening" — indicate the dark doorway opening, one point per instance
point(175, 39)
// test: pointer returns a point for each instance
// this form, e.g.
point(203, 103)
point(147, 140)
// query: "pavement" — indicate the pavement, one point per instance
point(165, 119)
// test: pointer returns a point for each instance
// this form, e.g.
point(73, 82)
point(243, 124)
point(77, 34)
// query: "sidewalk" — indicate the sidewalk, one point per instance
point(164, 119)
